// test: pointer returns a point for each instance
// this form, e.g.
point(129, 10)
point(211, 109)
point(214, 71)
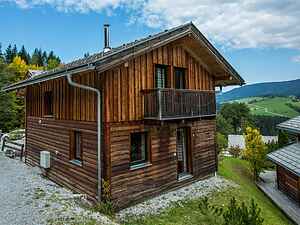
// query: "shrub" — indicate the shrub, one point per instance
point(212, 213)
point(235, 151)
point(106, 206)
point(222, 142)
point(233, 214)
point(16, 134)
point(242, 215)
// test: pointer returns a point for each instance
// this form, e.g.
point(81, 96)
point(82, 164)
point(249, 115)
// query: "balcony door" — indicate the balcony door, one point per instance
point(183, 160)
point(179, 75)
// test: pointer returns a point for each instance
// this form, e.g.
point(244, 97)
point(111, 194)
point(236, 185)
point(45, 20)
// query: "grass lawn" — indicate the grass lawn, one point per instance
point(273, 106)
point(188, 212)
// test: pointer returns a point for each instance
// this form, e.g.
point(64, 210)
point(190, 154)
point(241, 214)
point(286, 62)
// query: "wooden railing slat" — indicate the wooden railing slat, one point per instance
point(178, 103)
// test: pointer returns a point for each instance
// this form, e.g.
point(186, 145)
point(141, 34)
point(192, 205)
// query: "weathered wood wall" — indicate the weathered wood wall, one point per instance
point(123, 85)
point(54, 136)
point(69, 103)
point(288, 183)
point(75, 109)
point(129, 185)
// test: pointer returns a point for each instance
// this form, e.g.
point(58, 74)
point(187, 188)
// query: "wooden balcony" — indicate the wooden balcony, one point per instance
point(170, 104)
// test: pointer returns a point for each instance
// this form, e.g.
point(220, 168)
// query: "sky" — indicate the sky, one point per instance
point(260, 38)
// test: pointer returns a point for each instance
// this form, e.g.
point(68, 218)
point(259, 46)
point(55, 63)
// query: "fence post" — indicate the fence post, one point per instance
point(3, 144)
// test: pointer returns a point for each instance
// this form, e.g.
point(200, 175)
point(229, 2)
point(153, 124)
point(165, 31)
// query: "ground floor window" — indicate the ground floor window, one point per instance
point(183, 151)
point(76, 146)
point(138, 148)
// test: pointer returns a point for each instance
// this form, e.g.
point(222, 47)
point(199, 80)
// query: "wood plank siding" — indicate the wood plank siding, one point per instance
point(130, 185)
point(127, 81)
point(288, 183)
point(123, 113)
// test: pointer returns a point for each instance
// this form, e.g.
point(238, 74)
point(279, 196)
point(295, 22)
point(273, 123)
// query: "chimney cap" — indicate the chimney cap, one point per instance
point(107, 47)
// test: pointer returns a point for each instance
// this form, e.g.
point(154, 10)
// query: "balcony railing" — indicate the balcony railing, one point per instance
point(169, 104)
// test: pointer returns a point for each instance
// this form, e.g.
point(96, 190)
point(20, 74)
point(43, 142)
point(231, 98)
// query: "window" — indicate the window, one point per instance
point(48, 103)
point(160, 76)
point(179, 78)
point(76, 146)
point(138, 149)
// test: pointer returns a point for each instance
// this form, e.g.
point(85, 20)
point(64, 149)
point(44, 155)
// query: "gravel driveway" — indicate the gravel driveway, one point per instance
point(28, 199)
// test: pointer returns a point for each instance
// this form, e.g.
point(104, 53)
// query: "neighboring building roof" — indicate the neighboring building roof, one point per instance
point(292, 125)
point(102, 60)
point(287, 157)
point(34, 73)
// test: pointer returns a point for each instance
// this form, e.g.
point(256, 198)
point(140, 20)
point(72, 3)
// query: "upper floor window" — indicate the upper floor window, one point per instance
point(48, 103)
point(179, 74)
point(160, 76)
point(138, 148)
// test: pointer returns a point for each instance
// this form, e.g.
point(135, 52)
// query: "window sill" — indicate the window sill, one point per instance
point(49, 116)
point(76, 162)
point(140, 166)
point(183, 177)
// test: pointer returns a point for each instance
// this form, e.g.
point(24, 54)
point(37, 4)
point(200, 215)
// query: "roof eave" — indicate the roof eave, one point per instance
point(46, 77)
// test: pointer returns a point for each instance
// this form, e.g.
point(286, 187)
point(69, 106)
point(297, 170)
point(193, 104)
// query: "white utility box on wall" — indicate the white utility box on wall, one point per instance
point(45, 159)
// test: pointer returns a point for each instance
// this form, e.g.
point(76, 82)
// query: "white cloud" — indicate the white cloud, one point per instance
point(231, 23)
point(296, 59)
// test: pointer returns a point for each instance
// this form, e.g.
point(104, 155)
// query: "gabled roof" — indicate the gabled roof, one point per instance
point(287, 157)
point(292, 125)
point(102, 60)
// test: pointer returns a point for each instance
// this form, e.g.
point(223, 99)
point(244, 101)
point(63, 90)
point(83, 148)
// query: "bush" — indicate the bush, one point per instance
point(16, 134)
point(212, 213)
point(233, 214)
point(222, 142)
point(242, 215)
point(235, 151)
point(106, 206)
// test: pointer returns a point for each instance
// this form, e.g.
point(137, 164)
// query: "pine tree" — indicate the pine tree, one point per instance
point(8, 54)
point(37, 58)
point(14, 52)
point(24, 55)
point(1, 54)
point(45, 58)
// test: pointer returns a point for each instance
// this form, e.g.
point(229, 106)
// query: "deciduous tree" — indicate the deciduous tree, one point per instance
point(255, 151)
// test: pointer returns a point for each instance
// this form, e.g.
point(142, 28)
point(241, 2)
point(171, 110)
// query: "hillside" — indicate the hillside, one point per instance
point(273, 106)
point(285, 88)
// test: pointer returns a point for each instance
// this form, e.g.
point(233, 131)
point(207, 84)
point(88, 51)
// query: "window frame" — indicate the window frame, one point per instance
point(76, 136)
point(140, 163)
point(48, 103)
point(161, 66)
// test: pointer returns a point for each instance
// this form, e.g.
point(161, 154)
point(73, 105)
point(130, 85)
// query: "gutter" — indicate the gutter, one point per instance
point(88, 88)
point(48, 76)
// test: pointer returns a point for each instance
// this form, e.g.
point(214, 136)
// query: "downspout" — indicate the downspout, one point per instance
point(72, 83)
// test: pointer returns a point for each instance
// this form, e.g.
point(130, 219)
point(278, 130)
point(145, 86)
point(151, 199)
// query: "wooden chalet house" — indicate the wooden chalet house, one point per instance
point(141, 116)
point(287, 161)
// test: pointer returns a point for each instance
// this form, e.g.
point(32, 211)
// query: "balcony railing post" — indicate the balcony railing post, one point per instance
point(159, 104)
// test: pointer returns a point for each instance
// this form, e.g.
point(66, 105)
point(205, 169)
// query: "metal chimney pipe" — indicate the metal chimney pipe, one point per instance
point(106, 38)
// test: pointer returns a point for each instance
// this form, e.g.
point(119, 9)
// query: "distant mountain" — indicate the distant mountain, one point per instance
point(284, 88)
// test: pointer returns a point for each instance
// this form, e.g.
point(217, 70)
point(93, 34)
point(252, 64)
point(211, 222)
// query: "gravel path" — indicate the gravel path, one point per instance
point(193, 191)
point(28, 199)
